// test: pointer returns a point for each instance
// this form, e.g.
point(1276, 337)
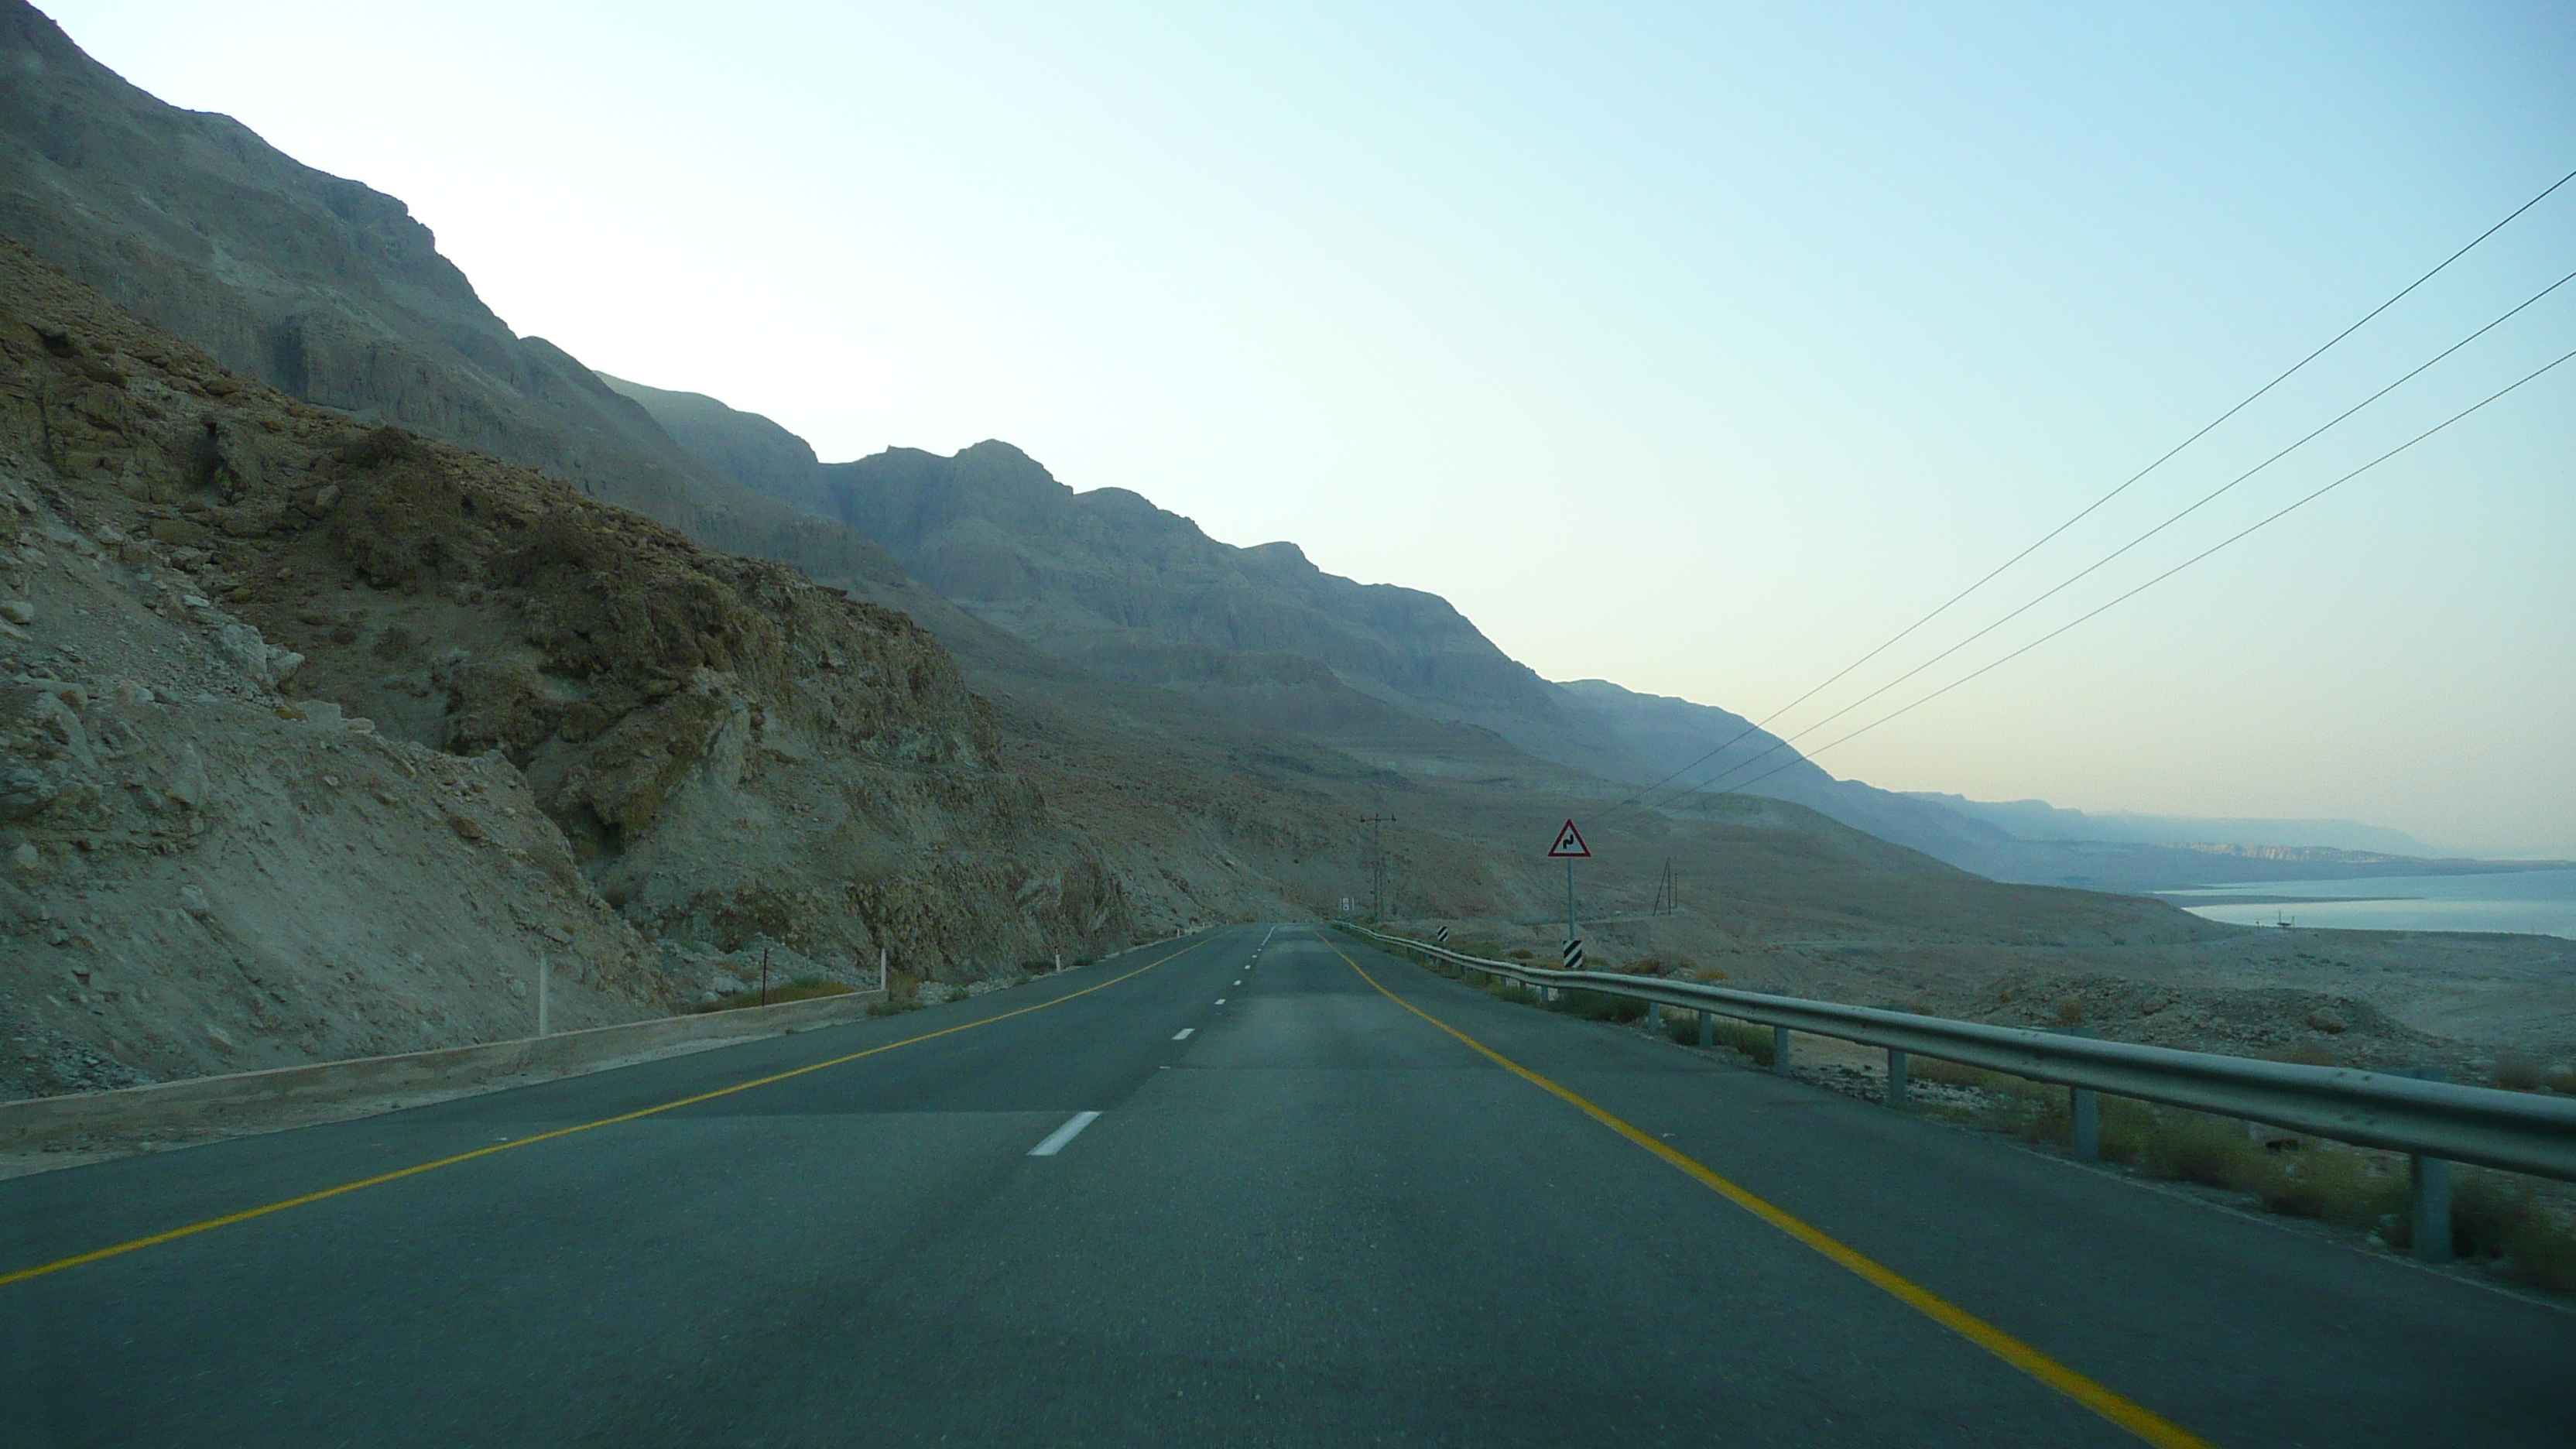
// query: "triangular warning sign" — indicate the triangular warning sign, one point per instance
point(1569, 841)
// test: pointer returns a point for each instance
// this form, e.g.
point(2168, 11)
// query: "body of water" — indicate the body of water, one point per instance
point(2538, 901)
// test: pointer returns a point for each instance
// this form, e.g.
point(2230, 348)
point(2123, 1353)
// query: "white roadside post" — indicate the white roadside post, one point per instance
point(544, 975)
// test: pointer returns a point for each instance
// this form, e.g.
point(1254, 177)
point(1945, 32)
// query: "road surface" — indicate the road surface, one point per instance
point(1315, 1207)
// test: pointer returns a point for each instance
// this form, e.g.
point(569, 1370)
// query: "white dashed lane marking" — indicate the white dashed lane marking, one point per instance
point(1184, 1033)
point(1056, 1140)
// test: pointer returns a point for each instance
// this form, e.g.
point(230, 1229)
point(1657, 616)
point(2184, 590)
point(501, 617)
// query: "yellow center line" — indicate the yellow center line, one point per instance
point(246, 1214)
point(2148, 1425)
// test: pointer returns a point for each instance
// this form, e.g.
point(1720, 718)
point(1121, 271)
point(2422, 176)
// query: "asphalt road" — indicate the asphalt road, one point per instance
point(1316, 1219)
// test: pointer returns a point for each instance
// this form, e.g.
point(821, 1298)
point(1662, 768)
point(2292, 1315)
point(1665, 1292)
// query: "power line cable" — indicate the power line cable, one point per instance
point(2101, 562)
point(2089, 508)
point(2262, 523)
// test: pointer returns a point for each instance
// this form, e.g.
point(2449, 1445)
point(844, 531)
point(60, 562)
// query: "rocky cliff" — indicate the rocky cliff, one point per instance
point(236, 620)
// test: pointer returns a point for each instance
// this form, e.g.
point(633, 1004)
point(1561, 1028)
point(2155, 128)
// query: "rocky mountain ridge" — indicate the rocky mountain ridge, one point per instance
point(332, 292)
point(1107, 581)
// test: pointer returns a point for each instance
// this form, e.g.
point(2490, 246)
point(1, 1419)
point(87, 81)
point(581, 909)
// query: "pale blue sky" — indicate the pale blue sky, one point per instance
point(1694, 348)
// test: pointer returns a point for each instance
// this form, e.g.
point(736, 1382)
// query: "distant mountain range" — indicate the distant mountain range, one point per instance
point(333, 293)
point(1107, 581)
point(2039, 820)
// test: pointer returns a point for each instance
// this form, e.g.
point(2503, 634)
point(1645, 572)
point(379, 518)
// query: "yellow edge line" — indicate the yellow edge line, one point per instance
point(2148, 1425)
point(245, 1215)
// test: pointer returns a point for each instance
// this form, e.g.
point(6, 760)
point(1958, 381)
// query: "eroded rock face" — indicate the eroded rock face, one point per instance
point(720, 743)
point(203, 876)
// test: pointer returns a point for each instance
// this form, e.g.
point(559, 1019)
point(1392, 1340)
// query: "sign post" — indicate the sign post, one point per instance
point(1570, 848)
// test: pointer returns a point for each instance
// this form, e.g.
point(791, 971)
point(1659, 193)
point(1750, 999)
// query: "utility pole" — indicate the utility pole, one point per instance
point(1377, 865)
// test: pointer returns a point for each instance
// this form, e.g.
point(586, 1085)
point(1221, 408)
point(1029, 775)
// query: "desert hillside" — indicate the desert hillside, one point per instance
point(310, 683)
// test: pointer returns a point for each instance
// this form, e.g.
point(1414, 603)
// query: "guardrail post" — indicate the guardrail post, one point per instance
point(1780, 1050)
point(2428, 1196)
point(1895, 1078)
point(2429, 1207)
point(1707, 1029)
point(2083, 1114)
point(1655, 1017)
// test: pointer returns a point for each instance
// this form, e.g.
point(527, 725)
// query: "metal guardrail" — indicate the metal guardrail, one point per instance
point(2440, 1121)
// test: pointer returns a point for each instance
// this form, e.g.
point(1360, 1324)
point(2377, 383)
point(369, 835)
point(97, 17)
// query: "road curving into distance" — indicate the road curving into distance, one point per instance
point(1187, 1198)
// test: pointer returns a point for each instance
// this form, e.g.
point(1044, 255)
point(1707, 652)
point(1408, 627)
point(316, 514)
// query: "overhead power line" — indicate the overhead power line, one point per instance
point(2097, 503)
point(2089, 569)
point(2250, 528)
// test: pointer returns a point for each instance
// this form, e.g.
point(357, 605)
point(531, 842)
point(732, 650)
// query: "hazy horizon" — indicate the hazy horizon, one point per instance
point(1698, 352)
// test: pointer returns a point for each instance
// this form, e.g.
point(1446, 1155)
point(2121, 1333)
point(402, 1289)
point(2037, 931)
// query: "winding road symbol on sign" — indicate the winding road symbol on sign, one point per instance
point(1569, 842)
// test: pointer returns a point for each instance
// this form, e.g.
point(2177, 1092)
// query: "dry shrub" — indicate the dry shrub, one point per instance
point(2488, 1210)
point(2518, 1072)
point(2544, 1248)
point(2190, 1147)
point(1682, 1025)
point(1743, 1036)
point(1933, 1069)
point(1598, 1006)
point(2330, 1184)
point(803, 988)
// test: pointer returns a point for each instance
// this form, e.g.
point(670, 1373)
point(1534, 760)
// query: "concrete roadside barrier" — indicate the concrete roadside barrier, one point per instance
point(250, 1101)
